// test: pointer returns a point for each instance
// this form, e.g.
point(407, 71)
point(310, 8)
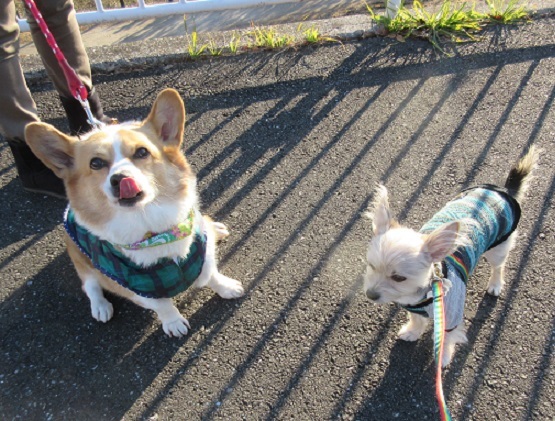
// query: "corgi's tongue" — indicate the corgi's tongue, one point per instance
point(128, 188)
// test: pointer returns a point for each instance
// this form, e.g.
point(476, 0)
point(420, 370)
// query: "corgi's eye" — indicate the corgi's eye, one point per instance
point(141, 153)
point(371, 266)
point(398, 278)
point(97, 164)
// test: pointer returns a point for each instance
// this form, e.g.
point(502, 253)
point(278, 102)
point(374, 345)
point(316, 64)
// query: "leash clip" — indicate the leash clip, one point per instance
point(97, 124)
point(437, 276)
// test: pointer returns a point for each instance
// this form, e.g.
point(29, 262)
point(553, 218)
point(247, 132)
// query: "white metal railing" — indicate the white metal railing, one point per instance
point(144, 11)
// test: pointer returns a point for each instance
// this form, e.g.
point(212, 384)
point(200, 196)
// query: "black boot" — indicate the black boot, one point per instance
point(77, 117)
point(34, 175)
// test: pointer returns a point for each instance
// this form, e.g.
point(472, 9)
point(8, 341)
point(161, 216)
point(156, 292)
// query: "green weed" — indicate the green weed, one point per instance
point(311, 34)
point(214, 49)
point(508, 13)
point(458, 24)
point(193, 48)
point(234, 43)
point(269, 38)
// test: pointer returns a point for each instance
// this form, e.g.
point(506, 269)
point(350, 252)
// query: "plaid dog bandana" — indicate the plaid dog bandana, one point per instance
point(164, 279)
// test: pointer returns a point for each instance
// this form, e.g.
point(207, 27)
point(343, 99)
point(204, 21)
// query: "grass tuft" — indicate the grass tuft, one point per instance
point(234, 43)
point(194, 49)
point(269, 38)
point(508, 13)
point(214, 49)
point(457, 24)
point(311, 34)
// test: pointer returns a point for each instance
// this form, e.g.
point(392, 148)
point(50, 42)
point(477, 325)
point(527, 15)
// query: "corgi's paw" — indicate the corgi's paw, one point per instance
point(226, 287)
point(102, 309)
point(220, 230)
point(177, 327)
point(409, 332)
point(233, 290)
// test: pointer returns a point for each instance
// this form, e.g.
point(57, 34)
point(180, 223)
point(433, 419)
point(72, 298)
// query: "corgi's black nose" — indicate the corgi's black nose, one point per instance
point(116, 178)
point(373, 295)
point(126, 189)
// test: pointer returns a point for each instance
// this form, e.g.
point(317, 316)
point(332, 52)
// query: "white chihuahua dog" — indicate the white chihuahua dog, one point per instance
point(401, 261)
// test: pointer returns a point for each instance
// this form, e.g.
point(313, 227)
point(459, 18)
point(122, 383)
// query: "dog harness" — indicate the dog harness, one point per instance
point(495, 214)
point(165, 279)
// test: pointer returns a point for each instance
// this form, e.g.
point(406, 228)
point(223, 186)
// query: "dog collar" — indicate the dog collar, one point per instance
point(175, 233)
point(439, 272)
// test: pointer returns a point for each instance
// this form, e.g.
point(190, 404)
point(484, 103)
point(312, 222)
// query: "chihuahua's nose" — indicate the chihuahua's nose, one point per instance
point(373, 295)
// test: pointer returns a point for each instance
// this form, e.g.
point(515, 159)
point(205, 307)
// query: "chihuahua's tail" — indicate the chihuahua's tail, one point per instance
point(521, 174)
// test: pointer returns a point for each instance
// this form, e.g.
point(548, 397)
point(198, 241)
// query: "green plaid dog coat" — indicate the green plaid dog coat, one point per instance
point(164, 279)
point(496, 215)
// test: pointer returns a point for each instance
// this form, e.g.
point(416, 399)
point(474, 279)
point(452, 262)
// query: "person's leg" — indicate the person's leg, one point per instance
point(59, 15)
point(17, 106)
point(17, 109)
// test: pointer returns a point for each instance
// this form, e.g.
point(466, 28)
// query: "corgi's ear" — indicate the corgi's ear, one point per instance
point(52, 147)
point(379, 212)
point(167, 116)
point(442, 241)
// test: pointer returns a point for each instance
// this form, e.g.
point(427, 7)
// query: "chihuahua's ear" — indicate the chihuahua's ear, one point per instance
point(167, 116)
point(52, 147)
point(442, 241)
point(380, 213)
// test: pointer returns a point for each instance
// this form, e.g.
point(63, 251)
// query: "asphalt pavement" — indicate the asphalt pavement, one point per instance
point(288, 147)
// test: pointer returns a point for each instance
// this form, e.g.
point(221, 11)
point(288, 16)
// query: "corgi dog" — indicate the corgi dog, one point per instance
point(133, 224)
point(401, 262)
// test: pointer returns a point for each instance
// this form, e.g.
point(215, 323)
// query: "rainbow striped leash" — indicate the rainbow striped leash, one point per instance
point(439, 334)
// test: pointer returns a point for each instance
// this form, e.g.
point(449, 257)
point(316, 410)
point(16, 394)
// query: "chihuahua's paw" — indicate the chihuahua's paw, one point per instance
point(447, 357)
point(176, 328)
point(409, 333)
point(102, 310)
point(494, 288)
point(496, 282)
point(452, 338)
point(220, 230)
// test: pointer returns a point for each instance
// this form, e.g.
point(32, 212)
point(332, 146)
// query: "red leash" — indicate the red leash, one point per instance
point(76, 87)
